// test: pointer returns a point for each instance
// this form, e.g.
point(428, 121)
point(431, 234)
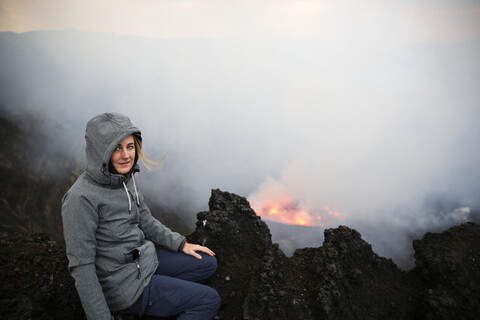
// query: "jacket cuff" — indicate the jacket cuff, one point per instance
point(180, 247)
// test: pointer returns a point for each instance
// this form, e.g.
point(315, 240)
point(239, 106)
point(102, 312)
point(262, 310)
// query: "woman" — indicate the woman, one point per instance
point(109, 230)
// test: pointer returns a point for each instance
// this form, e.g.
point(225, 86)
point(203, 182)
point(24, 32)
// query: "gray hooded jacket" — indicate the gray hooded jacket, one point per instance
point(105, 222)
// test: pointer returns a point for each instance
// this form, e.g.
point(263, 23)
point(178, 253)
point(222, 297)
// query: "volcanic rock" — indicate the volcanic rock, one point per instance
point(343, 279)
point(35, 281)
point(239, 238)
point(449, 265)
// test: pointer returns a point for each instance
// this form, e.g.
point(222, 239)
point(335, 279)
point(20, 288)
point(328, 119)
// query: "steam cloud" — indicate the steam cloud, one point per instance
point(388, 135)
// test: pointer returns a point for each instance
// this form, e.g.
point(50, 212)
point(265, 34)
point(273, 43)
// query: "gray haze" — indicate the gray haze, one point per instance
point(387, 134)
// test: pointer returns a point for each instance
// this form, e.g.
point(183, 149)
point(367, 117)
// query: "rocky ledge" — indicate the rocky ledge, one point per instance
point(343, 279)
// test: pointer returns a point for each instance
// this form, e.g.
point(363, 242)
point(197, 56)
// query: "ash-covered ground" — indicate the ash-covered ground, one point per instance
point(342, 279)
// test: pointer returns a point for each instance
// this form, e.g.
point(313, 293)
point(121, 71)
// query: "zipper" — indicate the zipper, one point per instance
point(138, 269)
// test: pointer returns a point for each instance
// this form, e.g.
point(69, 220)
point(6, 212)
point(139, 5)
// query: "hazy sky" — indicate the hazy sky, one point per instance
point(368, 107)
point(429, 21)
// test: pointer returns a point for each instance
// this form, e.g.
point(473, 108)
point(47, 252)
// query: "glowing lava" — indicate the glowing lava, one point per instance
point(290, 212)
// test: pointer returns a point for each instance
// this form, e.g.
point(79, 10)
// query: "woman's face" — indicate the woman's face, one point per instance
point(124, 155)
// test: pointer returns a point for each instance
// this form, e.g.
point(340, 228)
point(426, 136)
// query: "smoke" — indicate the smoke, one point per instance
point(381, 133)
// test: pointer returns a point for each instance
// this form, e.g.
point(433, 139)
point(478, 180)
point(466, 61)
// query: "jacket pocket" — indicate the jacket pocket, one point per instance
point(143, 257)
point(131, 255)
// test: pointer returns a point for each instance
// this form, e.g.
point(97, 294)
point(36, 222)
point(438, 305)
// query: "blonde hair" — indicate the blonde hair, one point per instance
point(142, 157)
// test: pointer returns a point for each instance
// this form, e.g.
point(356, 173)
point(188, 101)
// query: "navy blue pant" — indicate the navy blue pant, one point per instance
point(175, 288)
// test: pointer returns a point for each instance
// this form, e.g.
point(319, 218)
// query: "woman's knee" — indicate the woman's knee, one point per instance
point(212, 299)
point(209, 265)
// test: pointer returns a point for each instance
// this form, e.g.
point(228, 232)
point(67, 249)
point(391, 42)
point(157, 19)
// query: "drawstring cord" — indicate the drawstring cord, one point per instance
point(136, 192)
point(128, 195)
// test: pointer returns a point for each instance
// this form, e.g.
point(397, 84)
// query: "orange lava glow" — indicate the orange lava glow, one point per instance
point(293, 212)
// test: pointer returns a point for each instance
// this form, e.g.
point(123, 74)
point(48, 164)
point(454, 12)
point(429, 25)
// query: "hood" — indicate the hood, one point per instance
point(103, 134)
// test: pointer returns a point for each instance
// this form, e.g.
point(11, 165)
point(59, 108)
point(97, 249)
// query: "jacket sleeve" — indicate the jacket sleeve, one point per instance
point(158, 232)
point(80, 221)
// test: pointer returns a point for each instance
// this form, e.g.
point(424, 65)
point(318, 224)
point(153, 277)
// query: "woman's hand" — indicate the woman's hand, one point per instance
point(192, 249)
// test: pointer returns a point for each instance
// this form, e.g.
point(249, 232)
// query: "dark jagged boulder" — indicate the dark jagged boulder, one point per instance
point(343, 279)
point(280, 289)
point(231, 224)
point(355, 283)
point(239, 238)
point(449, 264)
